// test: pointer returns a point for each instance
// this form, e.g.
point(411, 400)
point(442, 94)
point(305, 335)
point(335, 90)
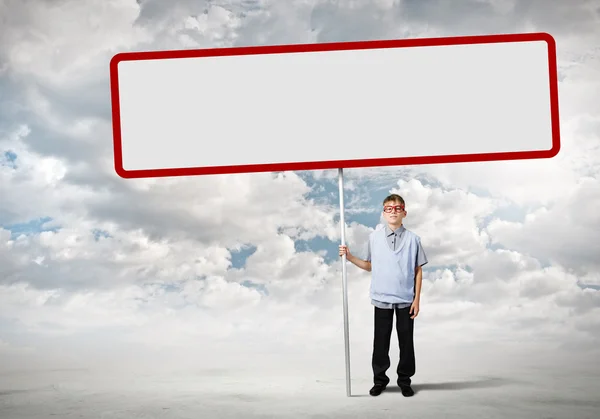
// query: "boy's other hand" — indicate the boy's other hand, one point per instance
point(344, 251)
point(414, 309)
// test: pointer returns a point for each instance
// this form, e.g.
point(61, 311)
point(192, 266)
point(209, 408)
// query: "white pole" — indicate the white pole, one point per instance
point(344, 281)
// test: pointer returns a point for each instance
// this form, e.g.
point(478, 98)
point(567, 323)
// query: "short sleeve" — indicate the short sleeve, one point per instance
point(367, 251)
point(421, 256)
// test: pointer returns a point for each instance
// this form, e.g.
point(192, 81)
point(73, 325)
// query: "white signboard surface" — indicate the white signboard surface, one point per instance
point(302, 107)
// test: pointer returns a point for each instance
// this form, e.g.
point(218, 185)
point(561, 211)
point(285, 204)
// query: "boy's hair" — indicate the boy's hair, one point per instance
point(394, 198)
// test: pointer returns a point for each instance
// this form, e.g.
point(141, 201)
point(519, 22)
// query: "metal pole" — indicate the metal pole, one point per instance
point(344, 281)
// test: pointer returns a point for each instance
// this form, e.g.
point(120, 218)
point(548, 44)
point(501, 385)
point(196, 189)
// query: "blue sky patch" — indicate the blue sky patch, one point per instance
point(238, 257)
point(588, 286)
point(100, 234)
point(321, 191)
point(452, 267)
point(511, 213)
point(9, 159)
point(10, 156)
point(318, 244)
point(31, 227)
point(484, 193)
point(171, 288)
point(259, 287)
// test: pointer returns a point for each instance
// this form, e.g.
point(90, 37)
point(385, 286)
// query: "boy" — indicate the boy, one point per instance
point(395, 258)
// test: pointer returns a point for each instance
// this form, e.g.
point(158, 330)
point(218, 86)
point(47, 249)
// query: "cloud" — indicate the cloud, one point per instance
point(146, 265)
point(65, 44)
point(448, 221)
point(563, 234)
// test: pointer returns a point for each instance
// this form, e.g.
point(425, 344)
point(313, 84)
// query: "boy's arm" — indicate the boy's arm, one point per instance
point(414, 308)
point(362, 264)
point(421, 260)
point(418, 282)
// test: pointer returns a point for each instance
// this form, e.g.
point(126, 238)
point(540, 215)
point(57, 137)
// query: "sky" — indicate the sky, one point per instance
point(240, 273)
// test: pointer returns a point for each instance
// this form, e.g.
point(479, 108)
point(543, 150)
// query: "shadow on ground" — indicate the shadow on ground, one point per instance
point(448, 386)
point(456, 385)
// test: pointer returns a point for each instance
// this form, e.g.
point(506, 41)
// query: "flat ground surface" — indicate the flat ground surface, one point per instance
point(82, 394)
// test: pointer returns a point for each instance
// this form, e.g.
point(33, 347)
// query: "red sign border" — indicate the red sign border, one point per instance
point(337, 46)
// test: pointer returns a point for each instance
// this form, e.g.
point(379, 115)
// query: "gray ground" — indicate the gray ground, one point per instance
point(536, 394)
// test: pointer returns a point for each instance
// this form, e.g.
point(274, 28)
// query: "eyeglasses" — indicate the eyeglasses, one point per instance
point(389, 208)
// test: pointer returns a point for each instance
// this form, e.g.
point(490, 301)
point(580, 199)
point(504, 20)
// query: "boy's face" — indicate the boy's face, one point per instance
point(393, 212)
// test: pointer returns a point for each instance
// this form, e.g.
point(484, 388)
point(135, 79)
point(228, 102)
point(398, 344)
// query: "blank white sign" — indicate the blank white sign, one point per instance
point(335, 105)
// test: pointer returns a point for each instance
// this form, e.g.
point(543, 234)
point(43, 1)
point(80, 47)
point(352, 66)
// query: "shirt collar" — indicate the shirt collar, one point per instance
point(389, 231)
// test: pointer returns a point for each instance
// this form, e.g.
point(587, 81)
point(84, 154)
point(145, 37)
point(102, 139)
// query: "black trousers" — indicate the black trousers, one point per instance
point(381, 345)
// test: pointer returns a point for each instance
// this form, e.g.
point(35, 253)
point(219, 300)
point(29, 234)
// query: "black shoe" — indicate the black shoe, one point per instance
point(376, 389)
point(407, 391)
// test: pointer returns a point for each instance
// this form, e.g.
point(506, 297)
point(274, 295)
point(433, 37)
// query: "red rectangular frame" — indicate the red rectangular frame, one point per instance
point(337, 46)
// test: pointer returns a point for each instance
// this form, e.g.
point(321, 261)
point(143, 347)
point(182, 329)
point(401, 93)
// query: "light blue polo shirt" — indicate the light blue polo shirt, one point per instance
point(394, 256)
